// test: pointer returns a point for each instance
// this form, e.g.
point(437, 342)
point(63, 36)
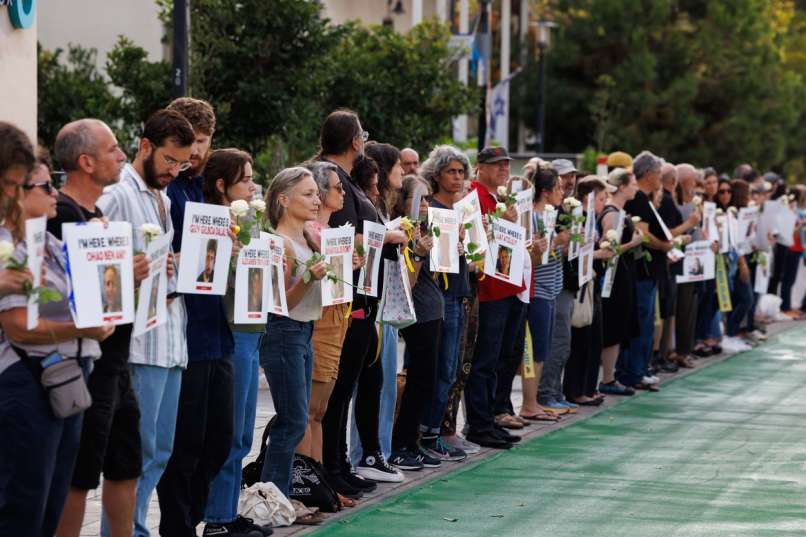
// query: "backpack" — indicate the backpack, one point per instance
point(251, 472)
point(309, 486)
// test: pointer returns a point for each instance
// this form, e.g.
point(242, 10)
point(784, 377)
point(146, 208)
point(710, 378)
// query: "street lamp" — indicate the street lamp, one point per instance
point(483, 45)
point(543, 41)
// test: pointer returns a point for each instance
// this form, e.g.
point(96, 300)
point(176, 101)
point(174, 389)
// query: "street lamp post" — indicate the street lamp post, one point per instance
point(483, 69)
point(179, 80)
point(543, 41)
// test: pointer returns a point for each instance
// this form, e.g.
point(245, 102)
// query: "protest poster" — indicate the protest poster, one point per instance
point(373, 244)
point(277, 300)
point(746, 229)
point(416, 199)
point(516, 186)
point(475, 234)
point(787, 220)
point(590, 220)
point(35, 237)
point(445, 253)
point(576, 231)
point(610, 273)
point(99, 262)
point(762, 273)
point(337, 247)
point(586, 263)
point(549, 224)
point(252, 274)
point(524, 204)
point(206, 249)
point(699, 262)
point(709, 227)
point(733, 229)
point(152, 306)
point(504, 260)
point(723, 232)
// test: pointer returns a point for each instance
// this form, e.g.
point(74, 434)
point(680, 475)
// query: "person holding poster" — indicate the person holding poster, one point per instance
point(445, 170)
point(793, 256)
point(158, 357)
point(740, 319)
point(38, 449)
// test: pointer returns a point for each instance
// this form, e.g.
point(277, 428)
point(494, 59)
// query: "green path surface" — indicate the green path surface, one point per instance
point(719, 452)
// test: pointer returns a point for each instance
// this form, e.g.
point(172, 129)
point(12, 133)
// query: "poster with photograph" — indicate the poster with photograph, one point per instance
point(277, 301)
point(445, 253)
point(99, 261)
point(373, 244)
point(747, 228)
point(576, 229)
point(723, 229)
point(787, 220)
point(709, 226)
point(524, 204)
point(252, 274)
point(590, 220)
point(586, 263)
point(206, 249)
point(152, 302)
point(35, 237)
point(762, 282)
point(610, 273)
point(504, 260)
point(699, 263)
point(549, 225)
point(470, 209)
point(516, 186)
point(337, 247)
point(733, 229)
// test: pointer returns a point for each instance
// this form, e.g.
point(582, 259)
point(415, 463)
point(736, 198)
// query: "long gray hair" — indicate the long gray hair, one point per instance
point(439, 159)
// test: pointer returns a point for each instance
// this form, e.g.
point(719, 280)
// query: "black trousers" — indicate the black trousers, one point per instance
point(686, 318)
point(202, 443)
point(582, 369)
point(422, 345)
point(358, 363)
point(511, 359)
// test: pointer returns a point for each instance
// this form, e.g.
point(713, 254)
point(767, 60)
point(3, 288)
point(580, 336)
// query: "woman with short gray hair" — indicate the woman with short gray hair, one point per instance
point(438, 162)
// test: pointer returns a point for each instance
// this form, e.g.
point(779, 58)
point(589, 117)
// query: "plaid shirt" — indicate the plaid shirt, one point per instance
point(130, 200)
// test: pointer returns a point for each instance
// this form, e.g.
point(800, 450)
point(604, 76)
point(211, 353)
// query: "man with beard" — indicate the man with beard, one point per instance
point(156, 358)
point(409, 161)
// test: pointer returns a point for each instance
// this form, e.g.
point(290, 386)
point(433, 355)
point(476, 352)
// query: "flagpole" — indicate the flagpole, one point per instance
point(483, 72)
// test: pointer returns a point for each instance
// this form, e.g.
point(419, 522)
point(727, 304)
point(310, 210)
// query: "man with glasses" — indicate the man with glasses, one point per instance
point(158, 357)
point(409, 161)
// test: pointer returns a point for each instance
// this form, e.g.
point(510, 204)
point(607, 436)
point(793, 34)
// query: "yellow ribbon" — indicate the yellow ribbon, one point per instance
point(349, 310)
point(445, 279)
point(409, 264)
point(483, 275)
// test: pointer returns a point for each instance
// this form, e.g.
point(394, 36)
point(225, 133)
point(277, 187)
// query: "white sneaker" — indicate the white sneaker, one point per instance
point(374, 467)
point(652, 380)
point(733, 344)
point(464, 444)
point(759, 335)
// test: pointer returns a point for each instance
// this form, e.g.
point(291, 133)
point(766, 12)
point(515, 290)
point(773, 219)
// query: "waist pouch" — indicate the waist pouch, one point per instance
point(63, 383)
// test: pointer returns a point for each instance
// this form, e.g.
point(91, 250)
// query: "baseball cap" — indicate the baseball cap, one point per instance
point(600, 180)
point(563, 166)
point(488, 155)
point(619, 159)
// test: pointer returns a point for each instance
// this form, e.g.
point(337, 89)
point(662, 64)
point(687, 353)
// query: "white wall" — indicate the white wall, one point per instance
point(18, 75)
point(373, 12)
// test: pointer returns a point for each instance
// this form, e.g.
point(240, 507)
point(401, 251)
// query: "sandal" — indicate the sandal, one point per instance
point(542, 416)
point(682, 361)
point(508, 422)
point(345, 501)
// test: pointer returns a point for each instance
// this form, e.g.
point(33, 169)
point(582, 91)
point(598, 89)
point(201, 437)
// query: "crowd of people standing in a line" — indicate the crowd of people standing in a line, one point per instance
point(175, 409)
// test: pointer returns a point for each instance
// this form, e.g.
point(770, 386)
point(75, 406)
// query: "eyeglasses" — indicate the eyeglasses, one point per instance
point(724, 191)
point(173, 163)
point(47, 187)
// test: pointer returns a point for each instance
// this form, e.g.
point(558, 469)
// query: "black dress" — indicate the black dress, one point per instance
point(620, 310)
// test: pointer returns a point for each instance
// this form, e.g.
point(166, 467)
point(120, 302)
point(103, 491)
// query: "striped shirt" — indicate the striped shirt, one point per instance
point(130, 200)
point(547, 279)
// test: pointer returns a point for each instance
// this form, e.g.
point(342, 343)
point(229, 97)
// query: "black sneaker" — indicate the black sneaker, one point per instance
point(488, 440)
point(501, 433)
point(437, 448)
point(406, 460)
point(225, 530)
point(358, 482)
point(375, 467)
point(247, 525)
point(427, 460)
point(344, 488)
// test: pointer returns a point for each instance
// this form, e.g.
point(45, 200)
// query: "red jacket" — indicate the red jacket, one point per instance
point(490, 288)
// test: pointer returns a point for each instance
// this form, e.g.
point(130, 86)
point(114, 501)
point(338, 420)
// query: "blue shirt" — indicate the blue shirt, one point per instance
point(208, 333)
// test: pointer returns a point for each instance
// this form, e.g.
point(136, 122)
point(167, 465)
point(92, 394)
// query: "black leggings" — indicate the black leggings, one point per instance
point(422, 343)
point(358, 363)
point(582, 369)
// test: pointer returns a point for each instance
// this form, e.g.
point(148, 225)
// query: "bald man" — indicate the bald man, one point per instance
point(410, 161)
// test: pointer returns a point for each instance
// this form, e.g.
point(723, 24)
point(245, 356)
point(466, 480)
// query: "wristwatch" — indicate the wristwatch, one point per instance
point(417, 258)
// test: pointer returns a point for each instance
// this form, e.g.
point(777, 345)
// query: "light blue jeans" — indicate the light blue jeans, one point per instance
point(222, 504)
point(388, 399)
point(157, 390)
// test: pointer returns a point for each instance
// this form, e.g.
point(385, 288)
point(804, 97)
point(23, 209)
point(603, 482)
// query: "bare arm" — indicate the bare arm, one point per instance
point(14, 323)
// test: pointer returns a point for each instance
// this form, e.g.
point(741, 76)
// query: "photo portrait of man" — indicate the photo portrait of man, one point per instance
point(255, 301)
point(503, 261)
point(152, 299)
point(111, 291)
point(208, 256)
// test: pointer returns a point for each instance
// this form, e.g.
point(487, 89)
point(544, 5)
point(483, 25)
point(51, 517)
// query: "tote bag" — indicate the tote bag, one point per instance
point(397, 306)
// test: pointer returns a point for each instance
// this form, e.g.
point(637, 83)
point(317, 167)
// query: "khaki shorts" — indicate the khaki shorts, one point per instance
point(328, 339)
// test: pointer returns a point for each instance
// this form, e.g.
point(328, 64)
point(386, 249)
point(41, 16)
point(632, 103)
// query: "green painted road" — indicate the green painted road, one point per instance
point(719, 452)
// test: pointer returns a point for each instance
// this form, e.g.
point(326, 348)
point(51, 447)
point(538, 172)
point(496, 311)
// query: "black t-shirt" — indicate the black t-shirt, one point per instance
point(657, 268)
point(115, 348)
point(672, 218)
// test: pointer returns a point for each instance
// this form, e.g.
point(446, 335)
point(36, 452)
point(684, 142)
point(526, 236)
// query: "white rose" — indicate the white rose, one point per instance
point(150, 229)
point(239, 208)
point(767, 185)
point(696, 201)
point(571, 202)
point(548, 207)
point(732, 210)
point(502, 191)
point(502, 206)
point(258, 205)
point(635, 219)
point(604, 245)
point(719, 211)
point(611, 235)
point(6, 249)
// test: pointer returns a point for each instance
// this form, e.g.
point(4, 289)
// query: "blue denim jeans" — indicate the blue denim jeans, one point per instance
point(792, 262)
point(499, 322)
point(37, 455)
point(386, 416)
point(222, 503)
point(541, 327)
point(157, 390)
point(742, 301)
point(447, 363)
point(287, 359)
point(633, 360)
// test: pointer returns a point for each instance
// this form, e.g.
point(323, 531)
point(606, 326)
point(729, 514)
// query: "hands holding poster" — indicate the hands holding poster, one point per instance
point(445, 253)
point(470, 210)
point(549, 224)
point(35, 236)
point(206, 249)
point(504, 260)
point(337, 247)
point(277, 301)
point(586, 263)
point(373, 244)
point(746, 229)
point(152, 305)
point(699, 263)
point(252, 275)
point(99, 262)
point(524, 202)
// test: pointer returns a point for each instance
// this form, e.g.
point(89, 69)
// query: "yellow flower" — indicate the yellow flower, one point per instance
point(236, 229)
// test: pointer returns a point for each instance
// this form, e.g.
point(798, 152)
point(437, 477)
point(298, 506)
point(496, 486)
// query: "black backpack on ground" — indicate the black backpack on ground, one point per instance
point(251, 472)
point(309, 486)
